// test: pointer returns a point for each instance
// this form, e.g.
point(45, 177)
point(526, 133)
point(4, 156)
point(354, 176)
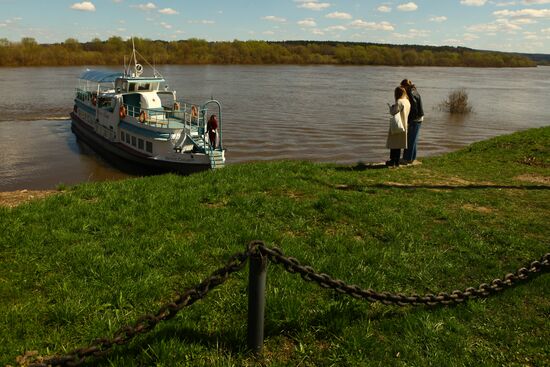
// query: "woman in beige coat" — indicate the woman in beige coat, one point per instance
point(398, 141)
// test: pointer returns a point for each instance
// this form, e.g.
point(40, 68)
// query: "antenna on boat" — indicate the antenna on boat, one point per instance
point(138, 68)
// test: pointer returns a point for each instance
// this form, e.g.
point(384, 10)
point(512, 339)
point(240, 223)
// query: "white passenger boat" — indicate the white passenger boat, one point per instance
point(138, 120)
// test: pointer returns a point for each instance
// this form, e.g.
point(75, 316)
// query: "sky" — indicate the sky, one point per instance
point(501, 25)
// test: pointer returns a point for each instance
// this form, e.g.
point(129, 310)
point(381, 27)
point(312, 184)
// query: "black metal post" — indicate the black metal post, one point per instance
point(256, 301)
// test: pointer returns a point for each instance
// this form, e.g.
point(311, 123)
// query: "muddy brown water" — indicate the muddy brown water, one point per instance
point(317, 113)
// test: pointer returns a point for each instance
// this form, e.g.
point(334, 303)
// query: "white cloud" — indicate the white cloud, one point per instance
point(335, 28)
point(338, 15)
point(165, 25)
point(382, 26)
point(439, 19)
point(473, 2)
point(499, 25)
point(168, 11)
point(269, 33)
point(453, 41)
point(523, 21)
point(313, 5)
point(203, 21)
point(148, 6)
point(309, 22)
point(412, 33)
point(533, 2)
point(384, 9)
point(318, 32)
point(534, 13)
point(10, 22)
point(273, 18)
point(83, 6)
point(407, 7)
point(509, 3)
point(470, 37)
point(545, 30)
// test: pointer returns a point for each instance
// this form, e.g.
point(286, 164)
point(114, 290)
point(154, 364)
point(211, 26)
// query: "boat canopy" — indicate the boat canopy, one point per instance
point(100, 76)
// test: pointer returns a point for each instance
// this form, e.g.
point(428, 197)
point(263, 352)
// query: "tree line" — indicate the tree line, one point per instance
point(28, 52)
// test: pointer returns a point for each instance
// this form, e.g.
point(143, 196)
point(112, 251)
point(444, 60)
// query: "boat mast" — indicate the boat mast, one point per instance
point(138, 68)
point(134, 53)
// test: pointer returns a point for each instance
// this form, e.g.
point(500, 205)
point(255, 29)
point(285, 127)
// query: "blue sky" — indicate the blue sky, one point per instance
point(503, 25)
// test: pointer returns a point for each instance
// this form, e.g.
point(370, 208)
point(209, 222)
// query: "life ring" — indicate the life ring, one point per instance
point(194, 111)
point(142, 116)
point(75, 109)
point(122, 112)
point(94, 100)
point(176, 106)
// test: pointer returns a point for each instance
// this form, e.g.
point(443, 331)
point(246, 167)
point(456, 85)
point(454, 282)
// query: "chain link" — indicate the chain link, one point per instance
point(292, 265)
point(147, 322)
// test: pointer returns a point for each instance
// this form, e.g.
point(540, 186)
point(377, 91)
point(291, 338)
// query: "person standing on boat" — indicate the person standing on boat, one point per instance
point(212, 129)
point(398, 141)
point(415, 121)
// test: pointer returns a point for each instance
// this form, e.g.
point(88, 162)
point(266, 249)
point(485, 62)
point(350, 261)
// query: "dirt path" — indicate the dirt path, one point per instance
point(13, 198)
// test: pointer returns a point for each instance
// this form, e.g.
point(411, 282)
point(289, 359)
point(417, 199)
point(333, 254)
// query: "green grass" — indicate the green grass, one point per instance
point(79, 265)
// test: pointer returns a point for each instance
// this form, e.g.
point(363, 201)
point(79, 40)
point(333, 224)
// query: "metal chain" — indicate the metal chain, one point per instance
point(292, 265)
point(146, 323)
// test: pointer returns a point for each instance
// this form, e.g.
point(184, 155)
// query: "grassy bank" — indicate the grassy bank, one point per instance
point(79, 265)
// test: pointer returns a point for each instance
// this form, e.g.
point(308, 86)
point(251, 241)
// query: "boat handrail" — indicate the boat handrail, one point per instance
point(190, 118)
point(220, 119)
point(169, 118)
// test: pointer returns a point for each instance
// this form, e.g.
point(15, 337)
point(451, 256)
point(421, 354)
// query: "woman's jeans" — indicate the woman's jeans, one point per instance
point(413, 130)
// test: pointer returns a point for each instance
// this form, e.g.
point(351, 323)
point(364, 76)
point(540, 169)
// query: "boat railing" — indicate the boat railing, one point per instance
point(188, 117)
point(183, 117)
point(83, 95)
point(217, 105)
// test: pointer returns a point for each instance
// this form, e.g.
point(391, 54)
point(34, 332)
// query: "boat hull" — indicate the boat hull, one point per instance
point(127, 159)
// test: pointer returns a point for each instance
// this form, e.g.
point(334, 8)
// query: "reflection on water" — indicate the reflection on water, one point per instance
point(318, 113)
point(43, 154)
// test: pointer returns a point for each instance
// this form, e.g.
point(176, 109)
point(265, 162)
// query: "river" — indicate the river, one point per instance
point(316, 113)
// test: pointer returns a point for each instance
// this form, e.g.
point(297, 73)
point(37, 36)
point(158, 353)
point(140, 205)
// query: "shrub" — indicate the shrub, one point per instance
point(456, 102)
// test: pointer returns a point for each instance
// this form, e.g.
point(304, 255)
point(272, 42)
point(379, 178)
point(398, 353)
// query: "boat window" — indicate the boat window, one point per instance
point(144, 86)
point(124, 87)
point(154, 86)
point(122, 136)
point(140, 144)
point(149, 146)
point(132, 87)
point(133, 140)
point(128, 138)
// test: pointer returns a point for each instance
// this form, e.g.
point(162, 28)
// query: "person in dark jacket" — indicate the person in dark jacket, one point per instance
point(212, 129)
point(416, 117)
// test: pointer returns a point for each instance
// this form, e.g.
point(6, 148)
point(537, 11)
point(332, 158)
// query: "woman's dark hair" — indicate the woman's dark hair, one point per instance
point(407, 84)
